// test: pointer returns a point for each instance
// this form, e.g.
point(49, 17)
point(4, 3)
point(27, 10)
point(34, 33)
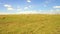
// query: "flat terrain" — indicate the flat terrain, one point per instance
point(30, 24)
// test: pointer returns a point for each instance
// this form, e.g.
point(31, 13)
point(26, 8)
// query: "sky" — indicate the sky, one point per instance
point(29, 6)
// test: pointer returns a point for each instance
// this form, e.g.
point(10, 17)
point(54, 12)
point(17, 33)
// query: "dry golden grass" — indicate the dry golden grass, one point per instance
point(30, 24)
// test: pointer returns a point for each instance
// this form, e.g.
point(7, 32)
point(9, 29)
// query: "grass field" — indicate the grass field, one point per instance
point(30, 24)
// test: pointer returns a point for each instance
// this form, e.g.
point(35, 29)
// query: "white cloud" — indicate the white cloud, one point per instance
point(28, 1)
point(3, 13)
point(35, 12)
point(58, 10)
point(28, 12)
point(6, 5)
point(56, 6)
point(10, 8)
point(26, 8)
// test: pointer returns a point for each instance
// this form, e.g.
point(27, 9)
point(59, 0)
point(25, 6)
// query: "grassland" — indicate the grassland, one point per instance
point(30, 24)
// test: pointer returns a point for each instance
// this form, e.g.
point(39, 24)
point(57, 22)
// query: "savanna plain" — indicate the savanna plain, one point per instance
point(30, 24)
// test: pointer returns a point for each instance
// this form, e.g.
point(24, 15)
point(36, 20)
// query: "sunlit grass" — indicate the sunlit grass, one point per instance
point(30, 24)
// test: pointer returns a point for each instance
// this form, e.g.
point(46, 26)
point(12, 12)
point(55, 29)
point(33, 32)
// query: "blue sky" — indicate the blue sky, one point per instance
point(28, 6)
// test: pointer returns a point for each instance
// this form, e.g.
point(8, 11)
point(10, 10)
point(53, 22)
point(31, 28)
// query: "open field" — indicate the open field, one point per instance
point(30, 24)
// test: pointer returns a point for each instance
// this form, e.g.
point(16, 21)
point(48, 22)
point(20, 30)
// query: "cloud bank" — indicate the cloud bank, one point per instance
point(28, 1)
point(56, 6)
point(8, 7)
